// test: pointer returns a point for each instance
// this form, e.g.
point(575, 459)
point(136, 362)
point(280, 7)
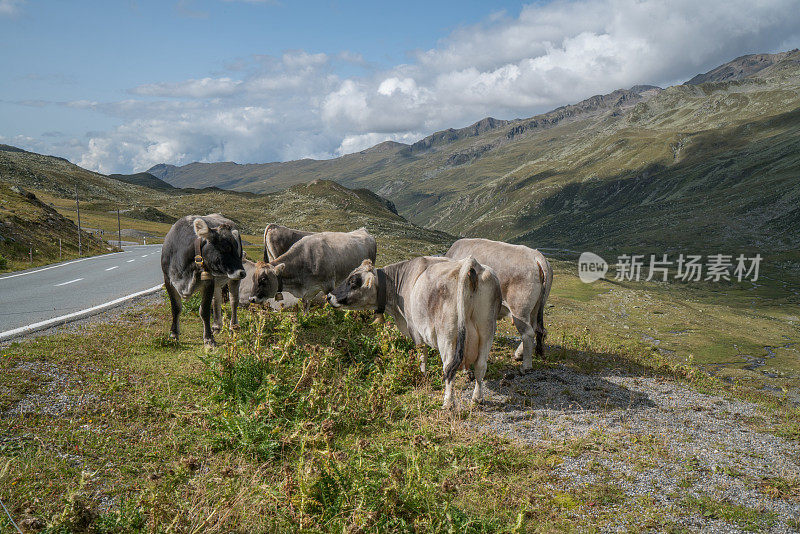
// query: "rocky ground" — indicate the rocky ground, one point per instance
point(708, 463)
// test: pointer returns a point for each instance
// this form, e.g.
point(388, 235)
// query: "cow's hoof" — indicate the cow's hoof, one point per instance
point(173, 336)
point(422, 368)
point(518, 355)
point(209, 344)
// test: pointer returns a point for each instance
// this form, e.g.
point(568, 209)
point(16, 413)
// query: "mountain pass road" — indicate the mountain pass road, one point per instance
point(52, 295)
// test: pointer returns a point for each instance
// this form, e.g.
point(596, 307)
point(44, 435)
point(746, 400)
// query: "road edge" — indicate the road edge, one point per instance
point(75, 316)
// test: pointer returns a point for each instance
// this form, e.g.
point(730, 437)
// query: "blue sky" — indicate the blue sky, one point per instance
point(120, 86)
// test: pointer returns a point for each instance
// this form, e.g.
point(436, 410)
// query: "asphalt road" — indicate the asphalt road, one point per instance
point(54, 294)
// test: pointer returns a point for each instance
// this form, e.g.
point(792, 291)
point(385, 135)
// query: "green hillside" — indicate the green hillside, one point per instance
point(695, 165)
point(148, 212)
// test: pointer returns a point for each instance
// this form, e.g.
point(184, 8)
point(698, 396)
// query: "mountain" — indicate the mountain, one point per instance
point(705, 164)
point(744, 67)
point(144, 179)
point(37, 206)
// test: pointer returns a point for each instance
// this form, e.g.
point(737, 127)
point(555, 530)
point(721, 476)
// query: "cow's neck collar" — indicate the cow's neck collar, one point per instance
point(198, 259)
point(383, 290)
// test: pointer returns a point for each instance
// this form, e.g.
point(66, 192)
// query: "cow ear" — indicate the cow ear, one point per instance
point(279, 268)
point(238, 238)
point(201, 228)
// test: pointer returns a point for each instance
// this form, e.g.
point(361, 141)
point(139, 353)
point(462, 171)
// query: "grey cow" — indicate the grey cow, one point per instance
point(525, 278)
point(202, 252)
point(316, 263)
point(278, 239)
point(446, 304)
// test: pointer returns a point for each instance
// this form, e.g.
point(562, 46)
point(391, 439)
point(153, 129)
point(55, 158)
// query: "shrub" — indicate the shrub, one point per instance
point(309, 391)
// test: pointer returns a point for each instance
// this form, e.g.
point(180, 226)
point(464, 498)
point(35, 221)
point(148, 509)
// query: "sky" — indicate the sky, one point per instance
point(122, 85)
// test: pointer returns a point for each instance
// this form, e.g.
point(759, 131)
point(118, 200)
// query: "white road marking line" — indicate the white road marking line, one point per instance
point(76, 315)
point(70, 282)
point(130, 260)
point(59, 265)
point(145, 255)
point(100, 257)
point(112, 268)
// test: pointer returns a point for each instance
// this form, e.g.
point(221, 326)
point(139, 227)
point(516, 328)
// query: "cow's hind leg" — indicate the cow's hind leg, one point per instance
point(176, 305)
point(525, 349)
point(448, 354)
point(480, 372)
point(423, 357)
point(205, 313)
point(537, 318)
point(216, 327)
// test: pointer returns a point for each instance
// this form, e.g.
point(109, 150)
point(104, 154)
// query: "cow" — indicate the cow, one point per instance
point(525, 278)
point(318, 262)
point(278, 239)
point(246, 289)
point(202, 252)
point(446, 304)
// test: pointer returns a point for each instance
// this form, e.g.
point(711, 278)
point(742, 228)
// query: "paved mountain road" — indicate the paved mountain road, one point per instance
point(47, 296)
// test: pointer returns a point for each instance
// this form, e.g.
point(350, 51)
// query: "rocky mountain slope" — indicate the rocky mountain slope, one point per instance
point(713, 162)
point(142, 178)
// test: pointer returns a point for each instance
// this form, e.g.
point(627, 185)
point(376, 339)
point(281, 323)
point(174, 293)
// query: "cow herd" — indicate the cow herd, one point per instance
point(451, 303)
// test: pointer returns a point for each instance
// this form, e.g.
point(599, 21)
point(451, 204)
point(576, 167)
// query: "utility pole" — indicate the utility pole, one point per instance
point(119, 231)
point(78, 208)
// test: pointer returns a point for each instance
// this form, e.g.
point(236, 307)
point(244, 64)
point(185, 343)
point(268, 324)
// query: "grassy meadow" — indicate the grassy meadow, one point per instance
point(323, 422)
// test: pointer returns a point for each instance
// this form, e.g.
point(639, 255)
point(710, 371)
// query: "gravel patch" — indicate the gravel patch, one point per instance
point(659, 441)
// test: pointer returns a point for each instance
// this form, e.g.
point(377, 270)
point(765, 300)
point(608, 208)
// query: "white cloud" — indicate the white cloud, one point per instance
point(356, 143)
point(202, 88)
point(10, 7)
point(300, 104)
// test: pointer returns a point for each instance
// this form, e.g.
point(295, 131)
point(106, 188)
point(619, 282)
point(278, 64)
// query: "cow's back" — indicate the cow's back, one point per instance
point(517, 267)
point(278, 239)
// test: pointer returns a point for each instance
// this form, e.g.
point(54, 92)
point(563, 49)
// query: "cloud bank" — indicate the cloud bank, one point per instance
point(268, 108)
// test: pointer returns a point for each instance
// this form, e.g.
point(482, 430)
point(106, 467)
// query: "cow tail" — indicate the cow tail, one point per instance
point(546, 276)
point(467, 284)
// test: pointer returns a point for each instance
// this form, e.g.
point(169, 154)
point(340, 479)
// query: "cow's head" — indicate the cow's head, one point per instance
point(267, 282)
point(360, 291)
point(221, 249)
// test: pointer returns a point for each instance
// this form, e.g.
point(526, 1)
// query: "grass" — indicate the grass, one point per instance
point(318, 422)
point(745, 518)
